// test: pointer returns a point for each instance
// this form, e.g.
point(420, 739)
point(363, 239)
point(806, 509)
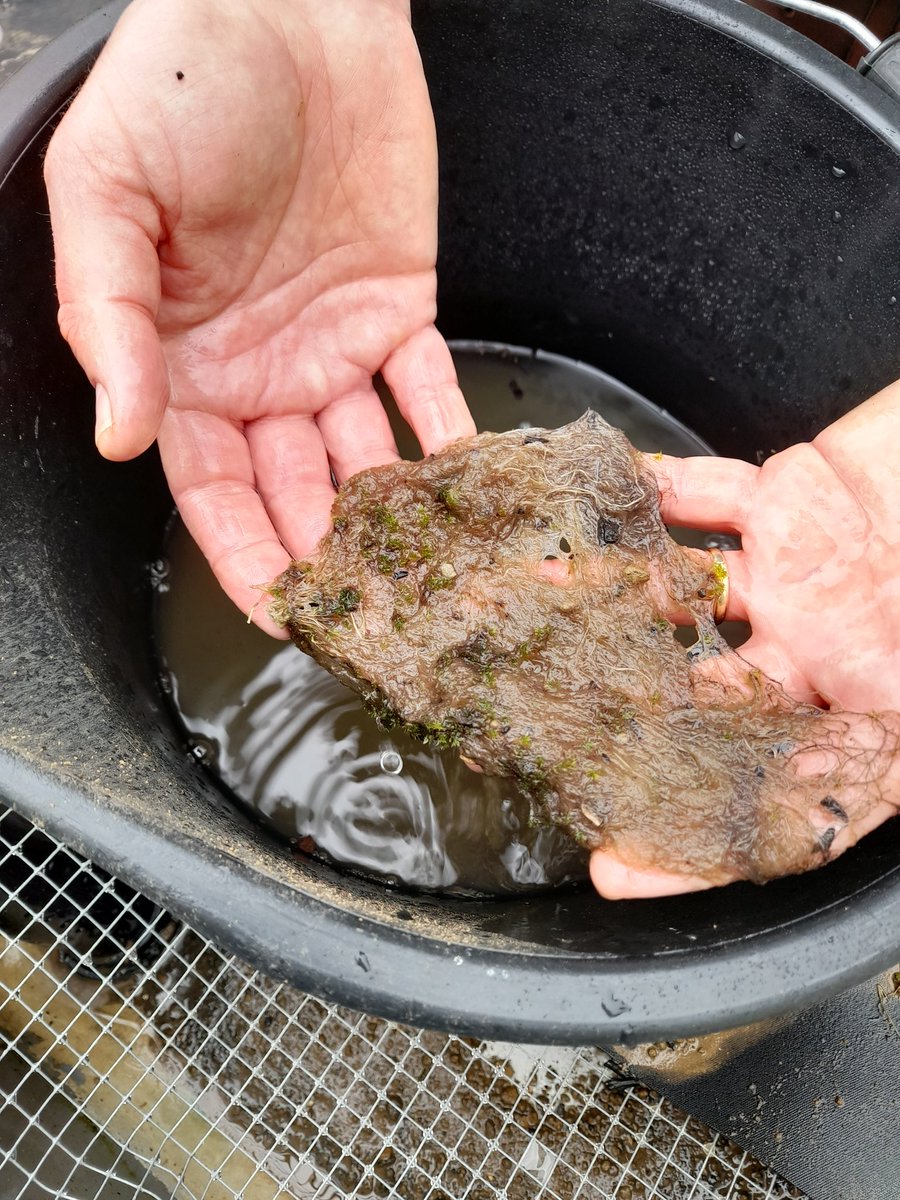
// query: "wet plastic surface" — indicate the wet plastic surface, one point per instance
point(817, 1098)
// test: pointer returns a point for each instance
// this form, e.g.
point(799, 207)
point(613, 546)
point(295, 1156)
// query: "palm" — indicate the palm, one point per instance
point(280, 197)
point(820, 567)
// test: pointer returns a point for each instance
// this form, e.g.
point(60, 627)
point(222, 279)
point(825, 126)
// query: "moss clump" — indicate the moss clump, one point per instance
point(438, 583)
point(532, 646)
point(719, 578)
point(443, 735)
point(346, 601)
point(449, 497)
point(383, 516)
point(483, 652)
point(479, 652)
point(533, 777)
point(378, 706)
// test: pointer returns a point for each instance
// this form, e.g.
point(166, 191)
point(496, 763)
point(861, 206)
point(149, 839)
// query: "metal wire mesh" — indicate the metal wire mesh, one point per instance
point(139, 1061)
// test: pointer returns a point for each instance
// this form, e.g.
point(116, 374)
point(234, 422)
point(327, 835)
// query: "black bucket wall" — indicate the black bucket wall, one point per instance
point(697, 201)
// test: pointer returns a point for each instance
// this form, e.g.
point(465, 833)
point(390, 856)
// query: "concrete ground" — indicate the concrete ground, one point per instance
point(27, 25)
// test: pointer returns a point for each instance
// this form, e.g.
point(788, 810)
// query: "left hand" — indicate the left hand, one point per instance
point(244, 207)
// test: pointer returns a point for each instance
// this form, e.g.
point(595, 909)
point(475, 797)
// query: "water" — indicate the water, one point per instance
point(295, 746)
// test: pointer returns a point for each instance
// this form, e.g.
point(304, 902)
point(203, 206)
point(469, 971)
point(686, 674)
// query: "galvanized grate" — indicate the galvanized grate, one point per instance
point(138, 1061)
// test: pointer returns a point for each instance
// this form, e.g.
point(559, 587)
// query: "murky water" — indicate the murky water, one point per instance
point(297, 748)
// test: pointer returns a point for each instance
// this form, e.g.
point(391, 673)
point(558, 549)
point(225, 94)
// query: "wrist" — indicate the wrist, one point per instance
point(400, 7)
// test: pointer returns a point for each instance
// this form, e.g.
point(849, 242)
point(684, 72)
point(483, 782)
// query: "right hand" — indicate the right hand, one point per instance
point(244, 208)
point(818, 579)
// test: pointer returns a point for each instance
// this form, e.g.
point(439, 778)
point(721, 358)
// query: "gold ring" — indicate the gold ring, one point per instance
point(719, 590)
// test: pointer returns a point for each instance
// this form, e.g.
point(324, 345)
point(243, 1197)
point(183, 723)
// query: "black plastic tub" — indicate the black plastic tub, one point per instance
point(596, 202)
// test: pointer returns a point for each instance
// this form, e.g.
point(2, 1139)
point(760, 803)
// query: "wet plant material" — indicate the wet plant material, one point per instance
point(511, 598)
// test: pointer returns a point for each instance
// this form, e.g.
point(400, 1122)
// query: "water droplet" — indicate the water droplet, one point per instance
point(722, 541)
point(626, 1036)
point(836, 215)
point(391, 762)
point(202, 750)
point(737, 141)
point(893, 300)
point(159, 573)
point(840, 258)
point(457, 960)
point(696, 653)
point(838, 172)
point(614, 1006)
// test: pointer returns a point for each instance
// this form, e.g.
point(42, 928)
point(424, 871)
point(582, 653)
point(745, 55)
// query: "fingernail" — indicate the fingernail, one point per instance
point(104, 413)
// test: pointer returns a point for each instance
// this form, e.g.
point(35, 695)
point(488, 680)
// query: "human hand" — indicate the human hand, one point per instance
point(243, 199)
point(818, 579)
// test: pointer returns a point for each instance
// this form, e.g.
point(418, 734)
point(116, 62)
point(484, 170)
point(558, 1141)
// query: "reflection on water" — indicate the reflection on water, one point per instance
point(297, 748)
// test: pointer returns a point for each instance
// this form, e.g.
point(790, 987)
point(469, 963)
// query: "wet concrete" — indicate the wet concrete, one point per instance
point(27, 25)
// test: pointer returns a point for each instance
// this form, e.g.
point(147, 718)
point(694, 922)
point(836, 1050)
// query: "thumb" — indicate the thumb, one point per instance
point(108, 282)
point(119, 349)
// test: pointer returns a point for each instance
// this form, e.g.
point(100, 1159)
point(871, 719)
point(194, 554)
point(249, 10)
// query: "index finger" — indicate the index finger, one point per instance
point(422, 379)
point(704, 492)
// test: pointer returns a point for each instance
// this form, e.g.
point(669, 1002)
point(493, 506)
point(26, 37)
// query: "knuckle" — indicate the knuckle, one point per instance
point(73, 323)
point(55, 157)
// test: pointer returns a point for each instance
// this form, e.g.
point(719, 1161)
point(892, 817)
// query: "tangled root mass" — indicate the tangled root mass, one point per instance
point(510, 597)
